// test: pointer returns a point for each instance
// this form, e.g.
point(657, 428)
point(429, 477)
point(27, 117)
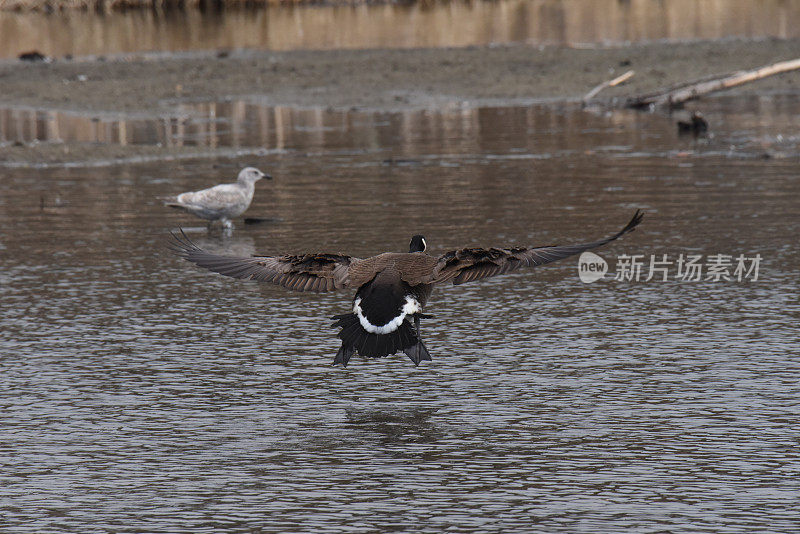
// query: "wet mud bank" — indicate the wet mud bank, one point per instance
point(154, 86)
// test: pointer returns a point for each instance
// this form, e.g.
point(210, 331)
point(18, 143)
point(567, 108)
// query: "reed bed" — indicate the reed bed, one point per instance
point(106, 5)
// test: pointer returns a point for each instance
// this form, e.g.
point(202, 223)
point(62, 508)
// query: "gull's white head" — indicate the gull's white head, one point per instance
point(252, 175)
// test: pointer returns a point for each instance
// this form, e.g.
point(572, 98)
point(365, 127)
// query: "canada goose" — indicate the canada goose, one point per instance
point(696, 126)
point(391, 288)
point(221, 202)
point(33, 56)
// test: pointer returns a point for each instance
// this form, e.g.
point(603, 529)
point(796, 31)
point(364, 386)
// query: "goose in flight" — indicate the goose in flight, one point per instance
point(221, 202)
point(391, 288)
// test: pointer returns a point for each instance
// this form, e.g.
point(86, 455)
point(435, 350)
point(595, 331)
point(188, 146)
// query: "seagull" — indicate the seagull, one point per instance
point(391, 288)
point(221, 202)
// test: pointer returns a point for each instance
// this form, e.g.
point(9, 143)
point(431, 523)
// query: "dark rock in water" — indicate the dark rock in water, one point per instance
point(697, 125)
point(222, 54)
point(33, 55)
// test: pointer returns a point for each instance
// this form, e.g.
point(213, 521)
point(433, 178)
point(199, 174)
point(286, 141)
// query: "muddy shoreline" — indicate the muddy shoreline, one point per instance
point(392, 80)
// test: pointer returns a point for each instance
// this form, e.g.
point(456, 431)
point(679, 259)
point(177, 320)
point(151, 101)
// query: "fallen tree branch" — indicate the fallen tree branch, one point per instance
point(610, 83)
point(675, 96)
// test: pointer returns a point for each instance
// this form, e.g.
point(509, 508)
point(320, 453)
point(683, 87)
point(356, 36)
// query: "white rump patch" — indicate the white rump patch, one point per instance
point(409, 308)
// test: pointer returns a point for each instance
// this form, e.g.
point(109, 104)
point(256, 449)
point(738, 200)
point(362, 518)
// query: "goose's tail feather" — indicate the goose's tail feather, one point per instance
point(356, 339)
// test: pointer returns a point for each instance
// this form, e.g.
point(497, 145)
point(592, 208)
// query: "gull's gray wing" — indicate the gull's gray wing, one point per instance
point(219, 197)
point(304, 272)
point(470, 264)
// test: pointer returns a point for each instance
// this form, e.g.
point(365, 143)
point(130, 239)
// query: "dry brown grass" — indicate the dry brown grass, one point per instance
point(105, 5)
point(58, 5)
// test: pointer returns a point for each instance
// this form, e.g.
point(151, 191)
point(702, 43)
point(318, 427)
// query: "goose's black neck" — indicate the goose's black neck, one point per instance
point(417, 244)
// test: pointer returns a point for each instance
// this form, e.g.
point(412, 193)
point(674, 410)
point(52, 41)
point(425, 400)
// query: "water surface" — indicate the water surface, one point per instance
point(142, 394)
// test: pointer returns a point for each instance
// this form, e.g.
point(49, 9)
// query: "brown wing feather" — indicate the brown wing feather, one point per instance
point(413, 268)
point(470, 264)
point(304, 272)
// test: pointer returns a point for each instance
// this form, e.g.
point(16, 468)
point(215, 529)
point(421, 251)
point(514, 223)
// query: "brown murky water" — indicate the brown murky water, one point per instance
point(142, 394)
point(458, 23)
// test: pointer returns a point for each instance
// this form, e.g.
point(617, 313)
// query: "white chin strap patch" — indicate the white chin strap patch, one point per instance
point(409, 308)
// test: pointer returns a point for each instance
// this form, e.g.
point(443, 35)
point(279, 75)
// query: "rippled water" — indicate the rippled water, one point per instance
point(142, 394)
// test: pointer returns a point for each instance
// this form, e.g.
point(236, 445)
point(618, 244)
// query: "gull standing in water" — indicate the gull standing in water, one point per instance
point(221, 202)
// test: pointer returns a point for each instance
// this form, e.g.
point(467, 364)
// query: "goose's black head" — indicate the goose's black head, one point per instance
point(417, 244)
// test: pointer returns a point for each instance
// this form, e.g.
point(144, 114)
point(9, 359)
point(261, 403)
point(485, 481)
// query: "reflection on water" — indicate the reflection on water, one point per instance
point(533, 131)
point(423, 24)
point(142, 394)
point(396, 423)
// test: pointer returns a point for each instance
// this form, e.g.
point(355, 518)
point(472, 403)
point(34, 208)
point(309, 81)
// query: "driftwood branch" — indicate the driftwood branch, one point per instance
point(610, 83)
point(677, 95)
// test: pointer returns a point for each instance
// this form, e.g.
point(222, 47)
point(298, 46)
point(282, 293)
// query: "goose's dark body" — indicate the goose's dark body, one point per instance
point(391, 288)
point(384, 303)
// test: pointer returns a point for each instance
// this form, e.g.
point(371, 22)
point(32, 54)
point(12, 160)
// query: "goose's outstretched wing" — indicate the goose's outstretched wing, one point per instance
point(470, 264)
point(304, 272)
